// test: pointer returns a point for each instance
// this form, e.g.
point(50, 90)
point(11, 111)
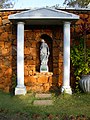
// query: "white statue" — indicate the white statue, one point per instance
point(44, 54)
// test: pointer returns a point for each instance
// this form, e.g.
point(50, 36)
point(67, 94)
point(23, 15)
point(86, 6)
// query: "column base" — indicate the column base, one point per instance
point(20, 90)
point(66, 89)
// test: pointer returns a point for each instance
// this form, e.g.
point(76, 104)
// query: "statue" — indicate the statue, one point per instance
point(44, 54)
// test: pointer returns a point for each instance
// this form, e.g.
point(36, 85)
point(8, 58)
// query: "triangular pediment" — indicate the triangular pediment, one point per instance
point(43, 13)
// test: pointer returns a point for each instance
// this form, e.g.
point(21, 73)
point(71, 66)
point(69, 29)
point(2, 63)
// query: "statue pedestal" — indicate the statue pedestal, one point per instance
point(43, 68)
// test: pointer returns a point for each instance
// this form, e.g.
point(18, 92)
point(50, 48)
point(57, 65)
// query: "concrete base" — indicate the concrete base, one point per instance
point(43, 68)
point(20, 91)
point(43, 96)
point(43, 102)
point(66, 89)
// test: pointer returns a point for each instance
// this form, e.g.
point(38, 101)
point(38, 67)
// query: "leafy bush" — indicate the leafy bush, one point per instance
point(80, 63)
point(80, 58)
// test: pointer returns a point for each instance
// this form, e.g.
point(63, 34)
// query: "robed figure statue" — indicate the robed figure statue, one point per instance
point(44, 54)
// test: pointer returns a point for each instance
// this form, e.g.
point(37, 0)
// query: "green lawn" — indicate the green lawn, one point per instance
point(65, 107)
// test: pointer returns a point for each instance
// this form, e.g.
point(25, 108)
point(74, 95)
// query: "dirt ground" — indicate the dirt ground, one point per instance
point(22, 116)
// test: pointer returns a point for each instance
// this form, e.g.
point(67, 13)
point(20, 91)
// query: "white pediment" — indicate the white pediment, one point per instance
point(43, 14)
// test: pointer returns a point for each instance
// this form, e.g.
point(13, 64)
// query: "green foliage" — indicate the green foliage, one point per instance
point(80, 3)
point(1, 3)
point(81, 66)
point(6, 3)
point(80, 58)
point(80, 54)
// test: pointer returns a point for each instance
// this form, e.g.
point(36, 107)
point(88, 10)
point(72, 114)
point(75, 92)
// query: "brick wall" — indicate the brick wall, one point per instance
point(5, 51)
point(34, 80)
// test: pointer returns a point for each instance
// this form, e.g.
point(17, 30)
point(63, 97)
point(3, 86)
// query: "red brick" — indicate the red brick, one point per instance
point(33, 51)
point(55, 80)
point(56, 51)
point(7, 44)
point(28, 88)
point(5, 17)
point(56, 71)
point(8, 71)
point(30, 73)
point(2, 44)
point(0, 14)
point(31, 67)
point(8, 78)
point(4, 51)
point(46, 87)
point(7, 89)
point(26, 73)
point(8, 29)
point(1, 86)
point(1, 79)
point(42, 79)
point(26, 50)
point(30, 62)
point(5, 13)
point(60, 80)
point(4, 35)
point(0, 21)
point(1, 29)
point(50, 79)
point(31, 79)
point(5, 21)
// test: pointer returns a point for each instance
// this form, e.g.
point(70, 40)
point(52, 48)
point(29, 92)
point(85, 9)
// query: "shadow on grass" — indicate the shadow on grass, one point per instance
point(66, 107)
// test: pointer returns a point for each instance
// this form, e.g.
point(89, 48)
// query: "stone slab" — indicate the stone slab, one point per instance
point(43, 102)
point(43, 96)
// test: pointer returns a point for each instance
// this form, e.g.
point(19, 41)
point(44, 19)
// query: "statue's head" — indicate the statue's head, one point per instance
point(43, 41)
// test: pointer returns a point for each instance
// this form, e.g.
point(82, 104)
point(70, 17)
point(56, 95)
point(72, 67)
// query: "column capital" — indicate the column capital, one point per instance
point(20, 23)
point(67, 22)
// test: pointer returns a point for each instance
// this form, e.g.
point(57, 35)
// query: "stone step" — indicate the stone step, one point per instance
point(43, 102)
point(42, 96)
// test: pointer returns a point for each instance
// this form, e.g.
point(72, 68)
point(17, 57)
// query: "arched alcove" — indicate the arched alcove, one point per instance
point(49, 42)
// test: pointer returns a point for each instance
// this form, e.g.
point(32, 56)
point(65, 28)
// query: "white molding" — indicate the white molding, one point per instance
point(66, 62)
point(20, 88)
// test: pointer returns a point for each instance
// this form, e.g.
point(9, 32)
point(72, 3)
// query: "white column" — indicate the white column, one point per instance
point(20, 88)
point(66, 74)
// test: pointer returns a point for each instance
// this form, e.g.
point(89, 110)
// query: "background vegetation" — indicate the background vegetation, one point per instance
point(70, 3)
point(77, 3)
point(80, 52)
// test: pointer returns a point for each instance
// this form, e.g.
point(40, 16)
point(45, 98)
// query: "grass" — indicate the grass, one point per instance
point(21, 107)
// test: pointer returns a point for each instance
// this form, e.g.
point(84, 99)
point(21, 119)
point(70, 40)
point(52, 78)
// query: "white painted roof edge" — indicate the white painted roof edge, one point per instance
point(18, 18)
point(60, 8)
point(73, 16)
